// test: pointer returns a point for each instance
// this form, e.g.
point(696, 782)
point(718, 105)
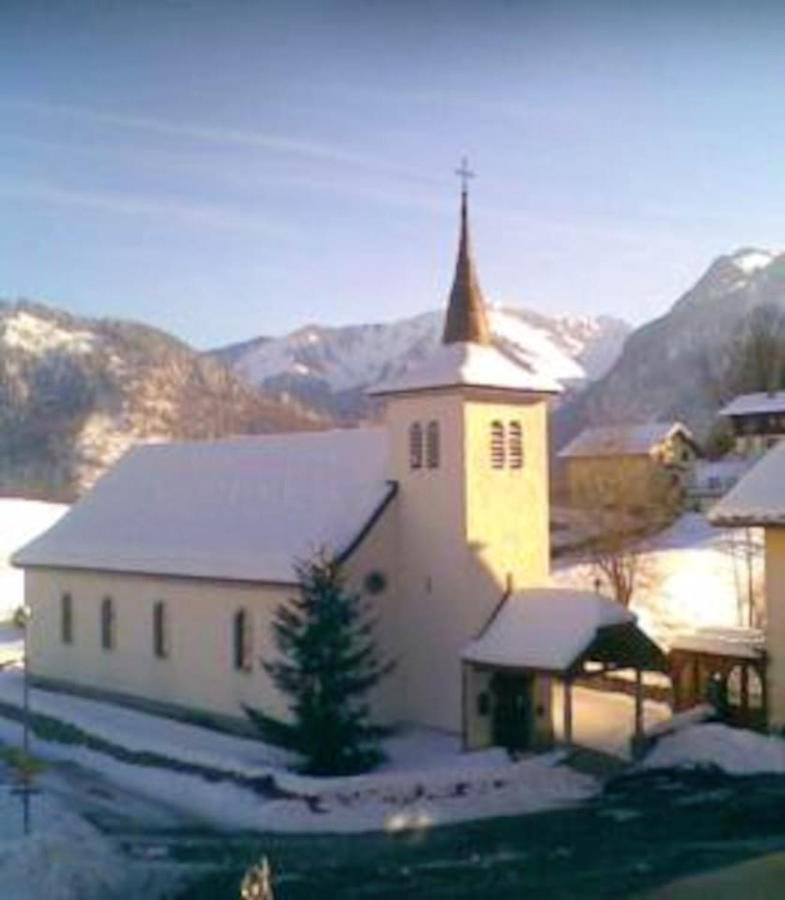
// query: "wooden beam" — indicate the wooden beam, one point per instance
point(638, 704)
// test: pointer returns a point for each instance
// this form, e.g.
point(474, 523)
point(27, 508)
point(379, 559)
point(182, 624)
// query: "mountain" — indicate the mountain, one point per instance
point(664, 369)
point(330, 368)
point(75, 393)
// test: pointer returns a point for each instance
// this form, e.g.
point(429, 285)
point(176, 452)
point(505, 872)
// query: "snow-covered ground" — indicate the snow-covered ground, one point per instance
point(427, 780)
point(65, 858)
point(604, 720)
point(734, 750)
point(11, 644)
point(20, 522)
point(691, 575)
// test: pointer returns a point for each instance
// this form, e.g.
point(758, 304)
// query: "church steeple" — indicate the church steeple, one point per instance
point(466, 321)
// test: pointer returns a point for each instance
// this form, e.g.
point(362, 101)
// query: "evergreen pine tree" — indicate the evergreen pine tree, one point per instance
point(328, 663)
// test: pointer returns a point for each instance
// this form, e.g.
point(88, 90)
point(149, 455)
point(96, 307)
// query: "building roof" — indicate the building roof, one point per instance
point(466, 320)
point(469, 365)
point(545, 629)
point(622, 440)
point(752, 404)
point(739, 643)
point(241, 509)
point(759, 497)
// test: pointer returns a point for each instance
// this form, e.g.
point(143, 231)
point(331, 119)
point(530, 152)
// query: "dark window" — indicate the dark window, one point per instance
point(497, 445)
point(415, 446)
point(516, 445)
point(432, 445)
point(67, 619)
point(108, 626)
point(160, 630)
point(243, 642)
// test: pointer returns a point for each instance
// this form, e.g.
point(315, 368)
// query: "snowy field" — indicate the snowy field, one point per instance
point(20, 522)
point(691, 575)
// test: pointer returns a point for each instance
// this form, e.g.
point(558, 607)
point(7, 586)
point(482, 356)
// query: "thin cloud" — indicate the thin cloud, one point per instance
point(304, 149)
point(162, 209)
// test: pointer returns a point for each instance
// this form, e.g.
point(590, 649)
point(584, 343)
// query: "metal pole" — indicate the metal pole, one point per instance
point(26, 725)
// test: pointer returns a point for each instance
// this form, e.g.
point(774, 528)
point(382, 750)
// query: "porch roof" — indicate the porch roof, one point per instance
point(557, 630)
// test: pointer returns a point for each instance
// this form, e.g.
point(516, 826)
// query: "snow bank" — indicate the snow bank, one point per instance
point(62, 867)
point(434, 784)
point(65, 858)
point(20, 522)
point(410, 750)
point(734, 750)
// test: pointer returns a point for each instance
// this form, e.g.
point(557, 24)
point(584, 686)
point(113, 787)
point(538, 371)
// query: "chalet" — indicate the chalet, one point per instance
point(646, 457)
point(757, 420)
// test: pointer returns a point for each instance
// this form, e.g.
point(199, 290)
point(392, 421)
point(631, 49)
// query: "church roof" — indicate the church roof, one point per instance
point(240, 509)
point(545, 629)
point(622, 440)
point(466, 320)
point(469, 365)
point(759, 497)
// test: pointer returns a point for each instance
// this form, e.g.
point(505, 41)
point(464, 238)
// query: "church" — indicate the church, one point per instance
point(159, 587)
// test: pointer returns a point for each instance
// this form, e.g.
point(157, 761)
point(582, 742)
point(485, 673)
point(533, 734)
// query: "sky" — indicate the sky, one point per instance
point(231, 168)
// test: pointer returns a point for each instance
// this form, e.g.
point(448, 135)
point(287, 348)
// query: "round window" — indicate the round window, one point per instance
point(375, 582)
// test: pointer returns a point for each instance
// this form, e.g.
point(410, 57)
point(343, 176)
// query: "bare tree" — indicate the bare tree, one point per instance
point(744, 547)
point(621, 504)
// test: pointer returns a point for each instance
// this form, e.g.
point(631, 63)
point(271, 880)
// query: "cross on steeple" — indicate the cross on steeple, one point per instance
point(466, 321)
point(464, 173)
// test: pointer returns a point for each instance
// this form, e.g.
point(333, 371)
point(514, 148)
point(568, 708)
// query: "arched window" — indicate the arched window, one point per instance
point(67, 619)
point(744, 688)
point(243, 641)
point(515, 445)
point(108, 626)
point(415, 446)
point(497, 445)
point(432, 445)
point(160, 630)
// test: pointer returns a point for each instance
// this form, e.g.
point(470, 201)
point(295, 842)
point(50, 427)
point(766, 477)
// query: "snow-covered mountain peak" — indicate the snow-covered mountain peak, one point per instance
point(332, 367)
point(751, 259)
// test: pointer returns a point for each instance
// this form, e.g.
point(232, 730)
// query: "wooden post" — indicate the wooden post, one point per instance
point(745, 693)
point(638, 704)
point(568, 712)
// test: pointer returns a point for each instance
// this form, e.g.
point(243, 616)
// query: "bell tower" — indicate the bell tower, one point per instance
point(468, 438)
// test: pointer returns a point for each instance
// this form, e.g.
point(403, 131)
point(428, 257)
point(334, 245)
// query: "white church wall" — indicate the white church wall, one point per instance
point(198, 672)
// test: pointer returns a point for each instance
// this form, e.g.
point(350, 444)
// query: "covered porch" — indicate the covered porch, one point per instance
point(520, 673)
point(725, 667)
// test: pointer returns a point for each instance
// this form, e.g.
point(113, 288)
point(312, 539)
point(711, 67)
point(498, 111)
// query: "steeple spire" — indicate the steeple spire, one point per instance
point(466, 320)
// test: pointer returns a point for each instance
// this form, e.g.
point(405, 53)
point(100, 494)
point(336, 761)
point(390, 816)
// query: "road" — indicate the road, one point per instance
point(644, 832)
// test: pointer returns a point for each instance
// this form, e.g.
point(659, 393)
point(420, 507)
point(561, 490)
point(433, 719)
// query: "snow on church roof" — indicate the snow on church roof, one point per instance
point(545, 628)
point(470, 365)
point(242, 508)
point(759, 497)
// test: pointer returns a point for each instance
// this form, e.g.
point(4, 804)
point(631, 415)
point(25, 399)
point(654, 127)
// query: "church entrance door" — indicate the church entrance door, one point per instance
point(512, 709)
